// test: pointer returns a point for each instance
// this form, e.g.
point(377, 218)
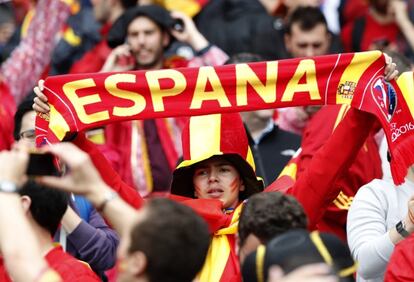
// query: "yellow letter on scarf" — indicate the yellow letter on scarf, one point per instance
point(157, 94)
point(139, 101)
point(307, 68)
point(245, 75)
point(79, 103)
point(208, 74)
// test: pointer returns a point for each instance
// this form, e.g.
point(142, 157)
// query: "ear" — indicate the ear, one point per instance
point(166, 38)
point(26, 202)
point(242, 187)
point(137, 263)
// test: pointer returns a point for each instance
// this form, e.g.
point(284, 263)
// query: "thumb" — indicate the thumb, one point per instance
point(275, 274)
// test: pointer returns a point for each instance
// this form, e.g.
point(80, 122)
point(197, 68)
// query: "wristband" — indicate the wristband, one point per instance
point(8, 187)
point(108, 196)
point(400, 226)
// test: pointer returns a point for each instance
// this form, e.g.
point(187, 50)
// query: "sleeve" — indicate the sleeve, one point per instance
point(368, 238)
point(315, 189)
point(401, 264)
point(108, 174)
point(27, 62)
point(95, 242)
point(210, 56)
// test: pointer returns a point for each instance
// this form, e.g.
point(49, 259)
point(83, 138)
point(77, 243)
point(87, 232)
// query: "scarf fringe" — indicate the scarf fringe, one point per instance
point(402, 157)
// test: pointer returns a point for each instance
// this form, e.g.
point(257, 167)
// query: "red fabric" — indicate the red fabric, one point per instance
point(94, 59)
point(366, 167)
point(69, 268)
point(353, 9)
point(401, 264)
point(372, 32)
point(314, 190)
point(108, 174)
point(7, 110)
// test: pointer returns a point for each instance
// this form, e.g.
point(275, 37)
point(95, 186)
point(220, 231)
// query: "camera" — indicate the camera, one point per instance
point(41, 164)
point(178, 25)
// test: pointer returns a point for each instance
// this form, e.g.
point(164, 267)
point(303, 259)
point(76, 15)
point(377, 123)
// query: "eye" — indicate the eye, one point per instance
point(224, 169)
point(200, 172)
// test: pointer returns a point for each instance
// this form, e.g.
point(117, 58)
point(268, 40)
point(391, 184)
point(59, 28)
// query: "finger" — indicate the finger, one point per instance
point(41, 106)
point(61, 183)
point(39, 93)
point(275, 273)
point(394, 75)
point(41, 84)
point(68, 153)
point(38, 109)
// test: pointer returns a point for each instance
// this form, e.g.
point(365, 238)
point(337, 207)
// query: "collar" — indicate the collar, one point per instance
point(269, 128)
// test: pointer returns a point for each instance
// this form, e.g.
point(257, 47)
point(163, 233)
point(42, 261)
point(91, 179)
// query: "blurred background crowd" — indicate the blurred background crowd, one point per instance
point(56, 37)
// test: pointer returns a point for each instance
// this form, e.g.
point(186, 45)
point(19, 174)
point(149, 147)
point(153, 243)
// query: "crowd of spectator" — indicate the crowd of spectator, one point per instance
point(267, 197)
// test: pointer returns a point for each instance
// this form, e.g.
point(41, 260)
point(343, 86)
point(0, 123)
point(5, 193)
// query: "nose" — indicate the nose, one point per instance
point(213, 177)
point(141, 38)
point(310, 51)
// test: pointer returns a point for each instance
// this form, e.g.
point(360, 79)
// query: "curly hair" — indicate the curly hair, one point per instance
point(266, 215)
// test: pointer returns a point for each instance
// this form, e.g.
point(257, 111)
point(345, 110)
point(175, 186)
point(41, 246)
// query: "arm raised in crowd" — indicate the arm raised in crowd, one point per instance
point(18, 245)
point(314, 188)
point(27, 62)
point(84, 179)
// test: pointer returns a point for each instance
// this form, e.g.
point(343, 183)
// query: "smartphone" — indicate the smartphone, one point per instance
point(41, 164)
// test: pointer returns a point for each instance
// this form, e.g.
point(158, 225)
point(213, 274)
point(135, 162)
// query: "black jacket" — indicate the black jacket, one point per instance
point(238, 26)
point(273, 152)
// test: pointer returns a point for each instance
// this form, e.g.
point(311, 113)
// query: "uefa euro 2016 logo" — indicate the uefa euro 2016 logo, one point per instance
point(385, 97)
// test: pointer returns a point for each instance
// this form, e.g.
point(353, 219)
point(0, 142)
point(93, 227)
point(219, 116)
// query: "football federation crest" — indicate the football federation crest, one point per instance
point(385, 97)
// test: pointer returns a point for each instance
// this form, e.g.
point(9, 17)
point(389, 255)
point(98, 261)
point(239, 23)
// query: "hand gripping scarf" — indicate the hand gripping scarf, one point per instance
point(84, 101)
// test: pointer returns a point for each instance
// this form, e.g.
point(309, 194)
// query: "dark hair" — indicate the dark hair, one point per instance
point(173, 238)
point(266, 215)
point(119, 30)
point(47, 205)
point(307, 17)
point(297, 248)
point(24, 107)
point(128, 3)
point(244, 58)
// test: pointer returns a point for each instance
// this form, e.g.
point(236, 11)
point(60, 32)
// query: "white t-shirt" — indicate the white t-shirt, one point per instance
point(377, 207)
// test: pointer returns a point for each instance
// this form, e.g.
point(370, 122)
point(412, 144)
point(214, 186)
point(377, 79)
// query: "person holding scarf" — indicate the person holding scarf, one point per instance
point(217, 175)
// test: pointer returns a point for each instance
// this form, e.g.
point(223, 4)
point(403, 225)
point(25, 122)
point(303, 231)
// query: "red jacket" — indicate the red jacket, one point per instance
point(7, 110)
point(69, 268)
point(314, 189)
point(366, 167)
point(401, 265)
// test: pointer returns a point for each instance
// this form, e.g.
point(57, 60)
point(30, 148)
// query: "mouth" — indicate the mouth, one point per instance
point(215, 192)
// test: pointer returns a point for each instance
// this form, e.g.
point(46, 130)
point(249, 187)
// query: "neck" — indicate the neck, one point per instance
point(43, 238)
point(256, 126)
point(156, 66)
point(116, 11)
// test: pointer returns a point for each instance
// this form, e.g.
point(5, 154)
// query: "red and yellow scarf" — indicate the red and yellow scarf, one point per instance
point(84, 101)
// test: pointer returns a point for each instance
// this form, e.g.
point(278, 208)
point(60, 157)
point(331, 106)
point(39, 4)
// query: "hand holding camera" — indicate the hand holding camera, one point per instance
point(184, 30)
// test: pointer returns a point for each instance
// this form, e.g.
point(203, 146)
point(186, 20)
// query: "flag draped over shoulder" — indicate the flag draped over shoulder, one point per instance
point(84, 101)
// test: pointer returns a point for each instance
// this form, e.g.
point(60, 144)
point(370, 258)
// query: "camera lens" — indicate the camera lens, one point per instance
point(178, 25)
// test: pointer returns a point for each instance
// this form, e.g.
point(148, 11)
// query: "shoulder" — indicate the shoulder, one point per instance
point(377, 192)
point(69, 267)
